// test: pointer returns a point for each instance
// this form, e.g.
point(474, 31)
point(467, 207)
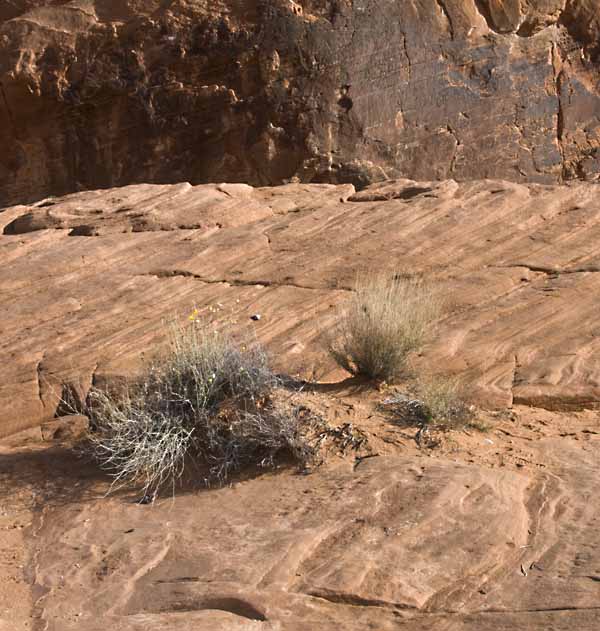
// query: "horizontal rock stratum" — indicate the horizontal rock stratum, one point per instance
point(89, 280)
point(98, 93)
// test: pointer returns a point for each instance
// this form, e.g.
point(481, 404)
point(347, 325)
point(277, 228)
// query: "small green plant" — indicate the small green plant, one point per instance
point(207, 399)
point(385, 320)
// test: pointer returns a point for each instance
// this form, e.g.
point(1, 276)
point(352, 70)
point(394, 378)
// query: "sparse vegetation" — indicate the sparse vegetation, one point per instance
point(208, 399)
point(386, 319)
point(212, 402)
point(478, 424)
point(445, 401)
point(438, 402)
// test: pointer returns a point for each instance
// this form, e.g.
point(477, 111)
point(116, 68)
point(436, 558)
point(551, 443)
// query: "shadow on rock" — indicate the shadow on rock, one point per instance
point(55, 475)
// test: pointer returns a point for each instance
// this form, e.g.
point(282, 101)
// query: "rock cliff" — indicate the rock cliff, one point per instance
point(95, 93)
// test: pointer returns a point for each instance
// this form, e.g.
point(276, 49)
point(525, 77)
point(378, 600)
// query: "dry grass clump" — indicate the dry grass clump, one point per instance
point(207, 400)
point(438, 402)
point(386, 319)
point(445, 402)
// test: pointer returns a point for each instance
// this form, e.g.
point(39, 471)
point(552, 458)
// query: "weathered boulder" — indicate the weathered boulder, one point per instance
point(95, 93)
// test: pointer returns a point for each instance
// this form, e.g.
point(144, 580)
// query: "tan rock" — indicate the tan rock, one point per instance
point(412, 541)
point(518, 266)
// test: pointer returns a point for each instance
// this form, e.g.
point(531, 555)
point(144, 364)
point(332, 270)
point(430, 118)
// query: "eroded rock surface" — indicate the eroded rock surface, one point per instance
point(496, 533)
point(315, 548)
point(90, 279)
point(96, 93)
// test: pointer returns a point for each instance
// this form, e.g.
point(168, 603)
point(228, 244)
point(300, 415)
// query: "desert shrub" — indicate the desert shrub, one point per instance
point(136, 443)
point(440, 402)
point(445, 401)
point(386, 319)
point(234, 440)
point(207, 399)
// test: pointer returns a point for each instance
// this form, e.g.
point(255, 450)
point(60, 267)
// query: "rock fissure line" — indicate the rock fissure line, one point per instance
point(8, 112)
point(559, 403)
point(38, 372)
point(483, 612)
point(239, 282)
point(560, 116)
point(408, 59)
point(357, 601)
point(534, 610)
point(550, 271)
point(442, 5)
point(452, 132)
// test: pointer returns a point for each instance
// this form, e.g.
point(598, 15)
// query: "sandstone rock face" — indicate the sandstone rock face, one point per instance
point(313, 550)
point(90, 279)
point(96, 93)
point(412, 541)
